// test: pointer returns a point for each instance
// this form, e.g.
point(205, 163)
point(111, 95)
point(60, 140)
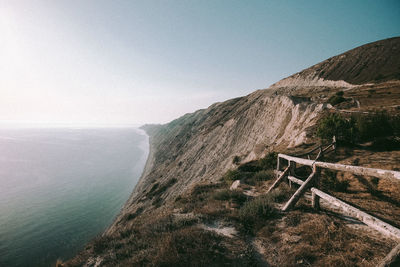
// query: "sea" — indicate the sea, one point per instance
point(61, 187)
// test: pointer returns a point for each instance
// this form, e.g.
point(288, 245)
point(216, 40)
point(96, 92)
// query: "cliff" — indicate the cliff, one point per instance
point(199, 148)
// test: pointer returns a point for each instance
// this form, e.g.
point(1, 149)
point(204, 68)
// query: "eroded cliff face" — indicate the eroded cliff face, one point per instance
point(201, 146)
point(198, 148)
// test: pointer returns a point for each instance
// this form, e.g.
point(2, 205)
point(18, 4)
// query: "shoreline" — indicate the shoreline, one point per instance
point(146, 169)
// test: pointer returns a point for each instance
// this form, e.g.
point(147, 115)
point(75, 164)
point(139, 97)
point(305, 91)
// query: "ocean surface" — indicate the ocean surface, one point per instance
point(61, 187)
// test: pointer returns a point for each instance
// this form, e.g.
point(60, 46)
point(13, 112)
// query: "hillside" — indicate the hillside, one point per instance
point(371, 63)
point(181, 211)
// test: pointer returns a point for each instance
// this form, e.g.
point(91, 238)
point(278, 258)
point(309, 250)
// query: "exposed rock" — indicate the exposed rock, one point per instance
point(235, 185)
point(219, 228)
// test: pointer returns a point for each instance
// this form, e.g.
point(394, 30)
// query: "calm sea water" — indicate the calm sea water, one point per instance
point(61, 187)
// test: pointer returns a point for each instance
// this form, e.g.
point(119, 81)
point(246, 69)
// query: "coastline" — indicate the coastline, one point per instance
point(146, 169)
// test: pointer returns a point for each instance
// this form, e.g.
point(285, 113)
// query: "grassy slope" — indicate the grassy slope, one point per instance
point(174, 233)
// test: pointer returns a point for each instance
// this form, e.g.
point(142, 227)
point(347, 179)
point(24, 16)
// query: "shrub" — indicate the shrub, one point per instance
point(132, 216)
point(337, 98)
point(379, 77)
point(236, 160)
point(374, 126)
point(156, 190)
point(255, 211)
point(249, 167)
point(359, 127)
point(230, 176)
point(340, 93)
point(269, 161)
point(224, 194)
point(263, 175)
point(336, 125)
point(238, 197)
point(280, 194)
point(100, 244)
point(227, 194)
point(204, 189)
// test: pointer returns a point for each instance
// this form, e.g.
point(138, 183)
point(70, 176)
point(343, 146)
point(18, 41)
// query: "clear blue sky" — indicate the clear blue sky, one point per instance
point(118, 62)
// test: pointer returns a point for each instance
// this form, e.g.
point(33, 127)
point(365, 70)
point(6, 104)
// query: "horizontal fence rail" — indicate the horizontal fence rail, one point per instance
point(379, 173)
point(312, 181)
point(369, 220)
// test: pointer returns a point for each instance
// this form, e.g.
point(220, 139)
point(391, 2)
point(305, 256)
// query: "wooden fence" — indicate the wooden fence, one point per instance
point(312, 182)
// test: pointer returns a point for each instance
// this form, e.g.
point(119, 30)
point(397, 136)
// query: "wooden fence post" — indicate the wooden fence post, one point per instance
point(315, 201)
point(292, 167)
point(334, 143)
point(392, 259)
point(279, 179)
point(302, 189)
point(315, 197)
point(278, 166)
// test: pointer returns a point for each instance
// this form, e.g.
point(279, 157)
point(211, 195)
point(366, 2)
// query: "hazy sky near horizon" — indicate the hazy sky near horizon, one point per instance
point(122, 62)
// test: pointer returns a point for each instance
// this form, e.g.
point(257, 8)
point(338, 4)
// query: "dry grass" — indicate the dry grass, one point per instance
point(310, 239)
point(172, 236)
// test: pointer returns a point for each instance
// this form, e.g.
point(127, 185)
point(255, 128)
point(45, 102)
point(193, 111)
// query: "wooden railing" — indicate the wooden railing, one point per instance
point(312, 183)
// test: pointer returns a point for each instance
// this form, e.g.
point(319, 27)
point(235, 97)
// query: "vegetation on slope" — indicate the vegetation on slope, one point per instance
point(381, 128)
point(190, 232)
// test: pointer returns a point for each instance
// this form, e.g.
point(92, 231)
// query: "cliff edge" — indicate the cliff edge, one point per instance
point(189, 156)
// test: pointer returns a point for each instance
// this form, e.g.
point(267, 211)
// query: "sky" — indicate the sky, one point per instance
point(115, 62)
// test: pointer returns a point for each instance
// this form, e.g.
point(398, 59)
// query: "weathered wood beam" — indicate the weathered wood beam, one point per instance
point(392, 259)
point(280, 178)
point(369, 220)
point(326, 148)
point(319, 154)
point(379, 173)
point(315, 201)
point(302, 189)
point(295, 180)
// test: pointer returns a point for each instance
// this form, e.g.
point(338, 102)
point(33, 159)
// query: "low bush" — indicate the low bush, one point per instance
point(263, 175)
point(226, 194)
point(269, 161)
point(157, 190)
point(230, 176)
point(238, 197)
point(257, 210)
point(373, 126)
point(249, 167)
point(358, 128)
point(281, 193)
point(100, 244)
point(236, 160)
point(336, 125)
point(337, 98)
point(204, 189)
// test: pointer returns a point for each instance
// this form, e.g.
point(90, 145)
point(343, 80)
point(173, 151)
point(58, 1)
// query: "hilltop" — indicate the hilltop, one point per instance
point(371, 63)
point(182, 211)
